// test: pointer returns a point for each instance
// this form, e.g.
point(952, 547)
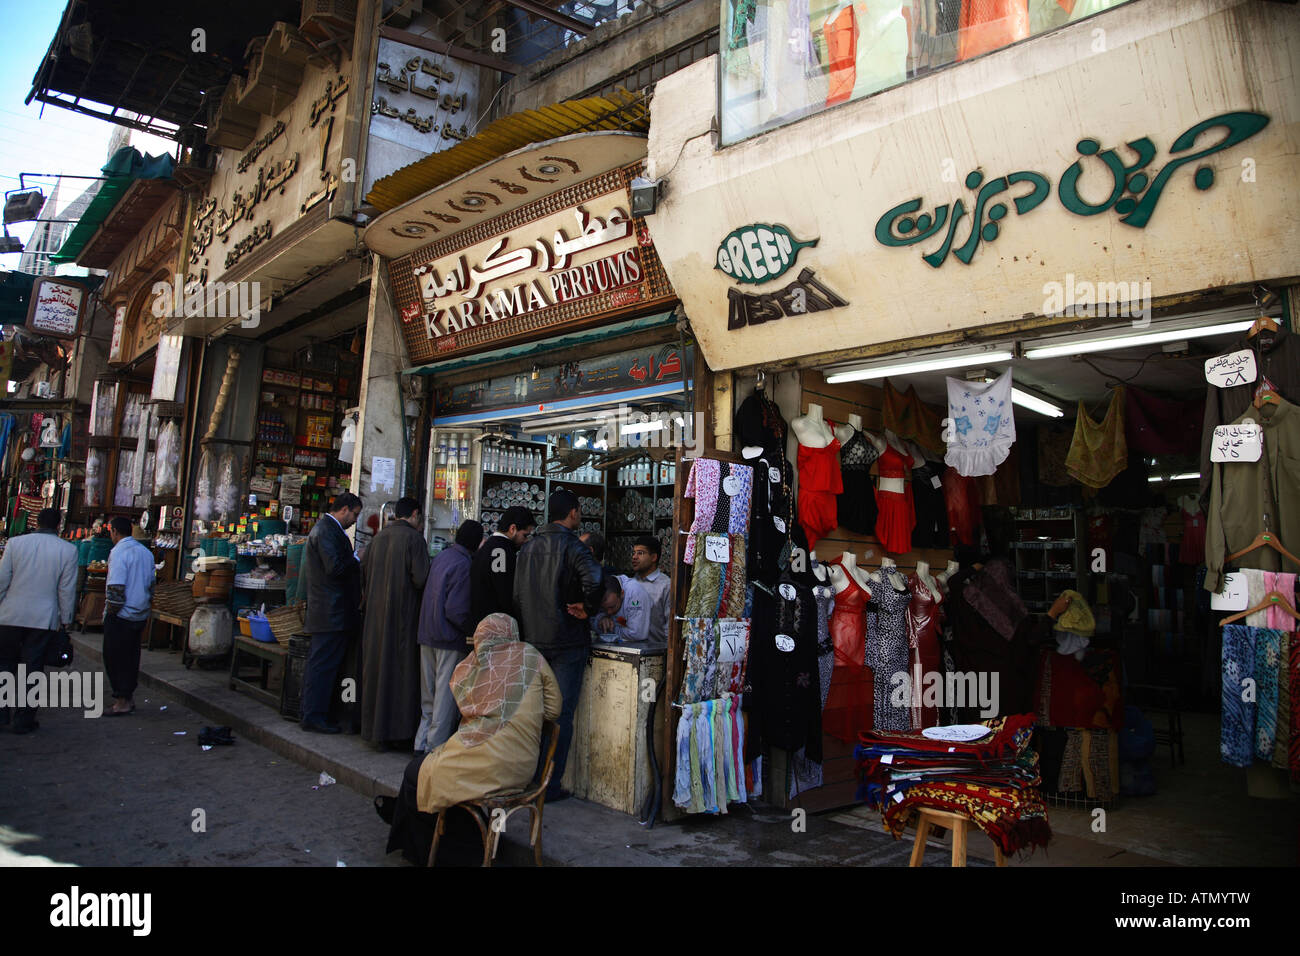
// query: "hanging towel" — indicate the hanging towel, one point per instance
point(1099, 451)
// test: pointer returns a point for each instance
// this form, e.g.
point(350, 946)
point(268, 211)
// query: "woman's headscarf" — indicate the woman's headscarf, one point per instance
point(490, 683)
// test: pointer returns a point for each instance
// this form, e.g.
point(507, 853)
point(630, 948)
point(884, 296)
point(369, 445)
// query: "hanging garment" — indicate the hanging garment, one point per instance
point(1192, 549)
point(1161, 426)
point(759, 424)
point(733, 652)
point(931, 529)
point(1277, 358)
point(1282, 733)
point(700, 636)
point(1268, 667)
point(882, 46)
point(1293, 755)
point(819, 485)
point(856, 505)
point(1258, 585)
point(888, 653)
point(961, 495)
point(923, 623)
point(988, 25)
point(841, 33)
point(718, 587)
point(772, 522)
point(897, 515)
point(1098, 452)
point(848, 708)
point(908, 417)
point(1236, 739)
point(984, 428)
point(1242, 492)
point(784, 697)
point(1053, 447)
point(722, 492)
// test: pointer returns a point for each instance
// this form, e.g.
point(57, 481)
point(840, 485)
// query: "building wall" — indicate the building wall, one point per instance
point(1163, 67)
point(583, 68)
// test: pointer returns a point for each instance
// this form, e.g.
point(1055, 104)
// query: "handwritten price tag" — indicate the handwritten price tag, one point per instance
point(785, 642)
point(780, 523)
point(1244, 442)
point(731, 485)
point(733, 641)
point(715, 548)
point(1235, 368)
point(1234, 596)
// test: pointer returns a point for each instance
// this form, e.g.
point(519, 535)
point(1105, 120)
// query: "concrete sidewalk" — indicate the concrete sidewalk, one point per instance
point(578, 833)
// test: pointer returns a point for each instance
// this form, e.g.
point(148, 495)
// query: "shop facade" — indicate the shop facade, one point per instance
point(545, 344)
point(1066, 196)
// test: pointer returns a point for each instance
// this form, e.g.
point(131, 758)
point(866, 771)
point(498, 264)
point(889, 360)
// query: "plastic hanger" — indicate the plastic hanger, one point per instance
point(1272, 599)
point(1262, 540)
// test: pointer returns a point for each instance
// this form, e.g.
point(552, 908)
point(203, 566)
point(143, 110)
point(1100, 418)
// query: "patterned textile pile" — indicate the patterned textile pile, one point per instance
point(994, 780)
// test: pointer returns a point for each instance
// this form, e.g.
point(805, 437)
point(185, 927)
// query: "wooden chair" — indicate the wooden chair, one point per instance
point(959, 824)
point(491, 813)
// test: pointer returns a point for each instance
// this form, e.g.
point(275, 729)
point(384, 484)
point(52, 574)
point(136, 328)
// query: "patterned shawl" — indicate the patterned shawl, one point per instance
point(992, 594)
point(489, 685)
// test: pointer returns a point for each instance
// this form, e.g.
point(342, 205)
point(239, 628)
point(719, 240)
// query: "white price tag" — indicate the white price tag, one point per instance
point(936, 481)
point(1234, 596)
point(1244, 442)
point(733, 640)
point(1235, 368)
point(887, 758)
point(785, 642)
point(716, 548)
point(774, 475)
point(898, 796)
point(731, 485)
point(780, 523)
point(787, 591)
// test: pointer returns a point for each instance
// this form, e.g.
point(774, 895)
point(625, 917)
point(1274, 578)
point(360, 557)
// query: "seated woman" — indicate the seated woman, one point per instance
point(504, 689)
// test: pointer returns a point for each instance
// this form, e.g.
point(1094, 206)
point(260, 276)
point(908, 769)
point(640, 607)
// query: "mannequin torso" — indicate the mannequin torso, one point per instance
point(811, 429)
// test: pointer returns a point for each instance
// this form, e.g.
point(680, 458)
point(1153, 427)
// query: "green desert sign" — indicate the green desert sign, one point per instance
point(759, 253)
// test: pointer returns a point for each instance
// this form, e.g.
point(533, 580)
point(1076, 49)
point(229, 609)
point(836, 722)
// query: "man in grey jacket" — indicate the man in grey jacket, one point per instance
point(38, 588)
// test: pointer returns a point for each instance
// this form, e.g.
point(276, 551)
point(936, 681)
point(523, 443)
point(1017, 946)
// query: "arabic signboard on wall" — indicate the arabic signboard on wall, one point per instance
point(293, 165)
point(582, 378)
point(572, 258)
point(56, 308)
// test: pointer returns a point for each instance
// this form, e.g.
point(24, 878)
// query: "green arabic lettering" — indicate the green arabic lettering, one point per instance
point(1068, 188)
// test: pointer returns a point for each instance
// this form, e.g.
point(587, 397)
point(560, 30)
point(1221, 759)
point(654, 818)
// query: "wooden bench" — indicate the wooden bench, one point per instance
point(266, 655)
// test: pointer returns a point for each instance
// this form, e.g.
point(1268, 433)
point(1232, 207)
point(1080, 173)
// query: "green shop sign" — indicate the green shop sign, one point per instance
point(759, 253)
point(1134, 193)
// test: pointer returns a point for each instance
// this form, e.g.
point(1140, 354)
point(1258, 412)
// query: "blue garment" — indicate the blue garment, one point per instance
point(130, 580)
point(569, 664)
point(446, 612)
point(1236, 742)
point(1268, 655)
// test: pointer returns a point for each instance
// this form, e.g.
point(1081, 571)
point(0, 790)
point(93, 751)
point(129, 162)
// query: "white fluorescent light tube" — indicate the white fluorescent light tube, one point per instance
point(1036, 404)
point(965, 360)
point(637, 428)
point(1130, 341)
point(1186, 476)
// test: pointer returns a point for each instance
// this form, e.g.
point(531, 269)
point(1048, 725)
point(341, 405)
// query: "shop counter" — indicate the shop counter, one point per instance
point(609, 759)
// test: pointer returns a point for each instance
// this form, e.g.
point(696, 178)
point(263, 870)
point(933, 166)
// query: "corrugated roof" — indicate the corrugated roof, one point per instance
point(620, 110)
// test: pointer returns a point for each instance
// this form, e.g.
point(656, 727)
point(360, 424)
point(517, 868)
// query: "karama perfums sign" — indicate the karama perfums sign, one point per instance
point(571, 261)
point(761, 253)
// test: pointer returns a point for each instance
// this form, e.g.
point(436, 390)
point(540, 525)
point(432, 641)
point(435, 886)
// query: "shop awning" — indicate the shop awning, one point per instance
point(560, 343)
point(126, 166)
point(620, 110)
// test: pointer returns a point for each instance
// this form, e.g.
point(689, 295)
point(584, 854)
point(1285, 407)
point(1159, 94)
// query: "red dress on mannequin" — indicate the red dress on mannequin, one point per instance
point(924, 617)
point(819, 484)
point(897, 515)
point(848, 707)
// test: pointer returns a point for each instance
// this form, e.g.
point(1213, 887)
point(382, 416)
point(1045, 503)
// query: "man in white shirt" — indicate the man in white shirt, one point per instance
point(128, 599)
point(624, 611)
point(645, 563)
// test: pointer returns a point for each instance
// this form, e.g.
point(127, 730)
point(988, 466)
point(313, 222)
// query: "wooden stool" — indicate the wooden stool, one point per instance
point(958, 824)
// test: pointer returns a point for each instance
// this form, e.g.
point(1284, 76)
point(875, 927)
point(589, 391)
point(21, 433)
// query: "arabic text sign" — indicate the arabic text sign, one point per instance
point(1235, 595)
point(1235, 368)
point(574, 254)
point(433, 99)
point(56, 308)
point(1232, 443)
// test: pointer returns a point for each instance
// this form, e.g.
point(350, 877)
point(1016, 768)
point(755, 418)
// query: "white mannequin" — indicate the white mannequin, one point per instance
point(812, 430)
point(877, 442)
point(818, 569)
point(839, 578)
point(1190, 503)
point(849, 562)
point(943, 576)
point(895, 486)
point(896, 442)
point(923, 574)
point(846, 431)
point(889, 571)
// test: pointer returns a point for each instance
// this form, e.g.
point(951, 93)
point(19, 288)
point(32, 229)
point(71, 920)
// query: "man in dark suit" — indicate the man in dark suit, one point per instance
point(333, 590)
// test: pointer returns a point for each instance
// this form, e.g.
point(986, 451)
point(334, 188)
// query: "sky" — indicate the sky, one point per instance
point(57, 141)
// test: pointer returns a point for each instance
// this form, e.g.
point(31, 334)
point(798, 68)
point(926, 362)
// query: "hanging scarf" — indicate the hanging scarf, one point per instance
point(489, 685)
point(994, 598)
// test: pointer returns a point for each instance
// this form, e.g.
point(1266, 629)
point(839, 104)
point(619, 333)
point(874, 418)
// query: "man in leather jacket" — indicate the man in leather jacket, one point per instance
point(557, 585)
point(332, 585)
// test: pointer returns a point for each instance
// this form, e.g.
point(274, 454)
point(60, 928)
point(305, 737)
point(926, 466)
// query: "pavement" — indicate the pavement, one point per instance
point(278, 814)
